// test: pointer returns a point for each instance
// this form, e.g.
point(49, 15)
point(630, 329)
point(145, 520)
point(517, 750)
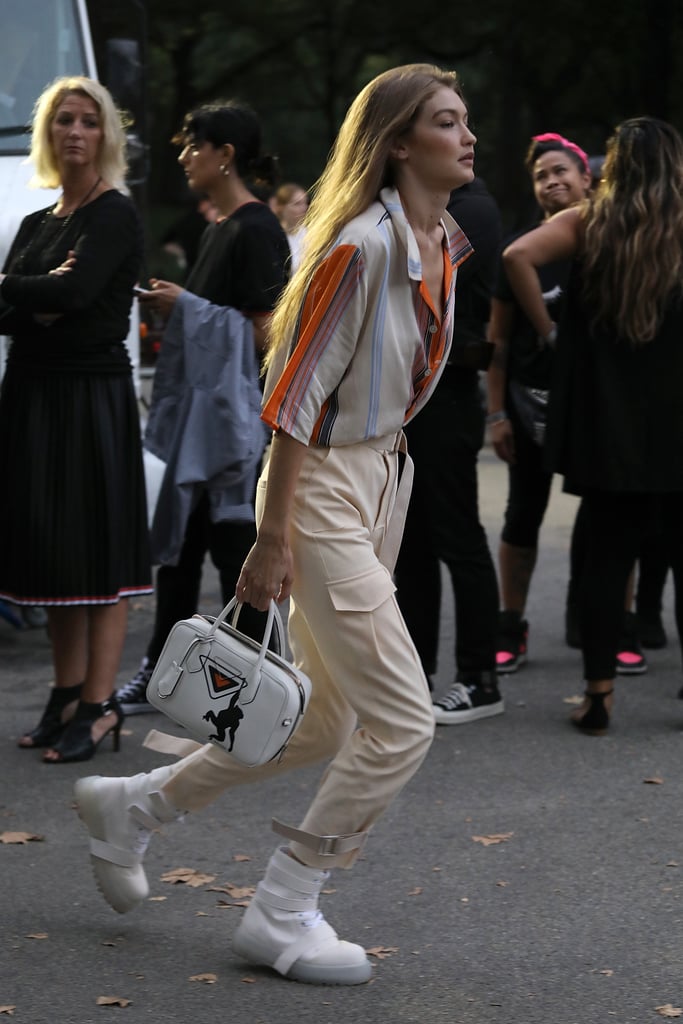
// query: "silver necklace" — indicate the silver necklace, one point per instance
point(49, 218)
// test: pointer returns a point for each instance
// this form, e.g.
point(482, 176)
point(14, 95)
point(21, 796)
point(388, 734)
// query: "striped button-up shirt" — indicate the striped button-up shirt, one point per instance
point(368, 347)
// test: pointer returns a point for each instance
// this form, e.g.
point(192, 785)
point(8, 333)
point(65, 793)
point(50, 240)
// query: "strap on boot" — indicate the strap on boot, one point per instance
point(324, 846)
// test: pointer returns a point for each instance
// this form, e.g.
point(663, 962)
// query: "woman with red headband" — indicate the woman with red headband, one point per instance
point(518, 387)
point(615, 425)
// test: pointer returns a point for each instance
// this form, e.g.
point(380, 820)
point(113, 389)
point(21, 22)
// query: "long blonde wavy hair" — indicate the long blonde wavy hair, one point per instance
point(111, 158)
point(358, 167)
point(633, 241)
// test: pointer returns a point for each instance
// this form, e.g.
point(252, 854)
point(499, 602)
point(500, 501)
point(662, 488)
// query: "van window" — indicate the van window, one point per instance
point(41, 40)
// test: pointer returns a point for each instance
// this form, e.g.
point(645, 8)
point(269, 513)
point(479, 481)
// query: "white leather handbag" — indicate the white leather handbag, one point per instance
point(227, 689)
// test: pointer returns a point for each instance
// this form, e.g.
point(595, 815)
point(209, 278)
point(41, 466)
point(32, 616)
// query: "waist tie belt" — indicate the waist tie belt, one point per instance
point(388, 552)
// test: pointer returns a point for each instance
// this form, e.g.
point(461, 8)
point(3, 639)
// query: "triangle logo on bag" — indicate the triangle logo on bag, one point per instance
point(220, 679)
point(222, 682)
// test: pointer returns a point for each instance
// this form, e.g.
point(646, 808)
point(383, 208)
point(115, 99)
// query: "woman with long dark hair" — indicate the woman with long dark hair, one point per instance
point(615, 427)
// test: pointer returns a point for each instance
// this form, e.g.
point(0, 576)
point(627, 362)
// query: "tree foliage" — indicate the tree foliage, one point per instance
point(527, 67)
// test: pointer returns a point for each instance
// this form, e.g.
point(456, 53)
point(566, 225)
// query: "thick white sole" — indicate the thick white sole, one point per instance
point(258, 951)
point(122, 887)
point(443, 717)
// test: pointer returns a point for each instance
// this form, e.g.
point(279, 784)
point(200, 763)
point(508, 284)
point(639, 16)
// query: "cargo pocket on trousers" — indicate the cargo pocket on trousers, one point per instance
point(363, 592)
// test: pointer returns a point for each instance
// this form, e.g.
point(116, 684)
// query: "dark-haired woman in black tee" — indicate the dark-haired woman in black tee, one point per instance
point(236, 280)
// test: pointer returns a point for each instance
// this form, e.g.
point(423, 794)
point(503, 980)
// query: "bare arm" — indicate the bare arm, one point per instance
point(557, 239)
point(500, 325)
point(267, 571)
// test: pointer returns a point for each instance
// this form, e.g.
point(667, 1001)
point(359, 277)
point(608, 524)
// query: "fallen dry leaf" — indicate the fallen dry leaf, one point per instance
point(669, 1011)
point(157, 899)
point(246, 980)
point(208, 979)
point(502, 883)
point(187, 876)
point(20, 838)
point(9, 1010)
point(238, 892)
point(239, 857)
point(37, 935)
point(576, 699)
point(381, 952)
point(492, 840)
point(654, 781)
point(112, 1001)
point(671, 864)
point(416, 891)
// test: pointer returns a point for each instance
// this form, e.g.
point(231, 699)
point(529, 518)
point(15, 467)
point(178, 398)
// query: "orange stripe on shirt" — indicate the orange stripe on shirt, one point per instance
point(445, 288)
point(437, 349)
point(320, 297)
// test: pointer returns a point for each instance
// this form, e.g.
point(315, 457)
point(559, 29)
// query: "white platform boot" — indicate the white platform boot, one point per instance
point(282, 928)
point(120, 815)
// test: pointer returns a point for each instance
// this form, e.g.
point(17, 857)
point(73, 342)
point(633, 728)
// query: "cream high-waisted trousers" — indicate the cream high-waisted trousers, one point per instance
point(370, 709)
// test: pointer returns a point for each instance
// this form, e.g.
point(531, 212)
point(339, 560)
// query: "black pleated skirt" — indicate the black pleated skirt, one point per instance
point(73, 518)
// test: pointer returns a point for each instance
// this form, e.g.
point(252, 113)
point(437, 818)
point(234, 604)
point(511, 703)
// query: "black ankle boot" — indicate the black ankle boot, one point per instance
point(595, 720)
point(76, 742)
point(52, 723)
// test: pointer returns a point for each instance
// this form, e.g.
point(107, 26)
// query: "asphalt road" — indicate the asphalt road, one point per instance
point(572, 913)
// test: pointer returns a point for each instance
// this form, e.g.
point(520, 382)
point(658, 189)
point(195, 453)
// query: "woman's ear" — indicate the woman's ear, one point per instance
point(228, 152)
point(399, 150)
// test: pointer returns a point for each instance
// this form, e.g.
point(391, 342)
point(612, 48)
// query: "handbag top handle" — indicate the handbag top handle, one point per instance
point(274, 620)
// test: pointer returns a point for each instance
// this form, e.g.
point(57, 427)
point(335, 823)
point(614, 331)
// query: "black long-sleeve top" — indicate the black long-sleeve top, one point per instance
point(93, 299)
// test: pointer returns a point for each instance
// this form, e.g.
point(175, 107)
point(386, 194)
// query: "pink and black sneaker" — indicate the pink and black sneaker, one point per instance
point(513, 635)
point(630, 658)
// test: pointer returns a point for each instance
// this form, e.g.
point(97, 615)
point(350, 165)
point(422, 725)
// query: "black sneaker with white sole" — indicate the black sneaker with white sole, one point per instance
point(468, 699)
point(133, 696)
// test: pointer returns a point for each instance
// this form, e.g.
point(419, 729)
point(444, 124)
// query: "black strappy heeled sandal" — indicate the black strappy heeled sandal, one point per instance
point(52, 723)
point(76, 742)
point(595, 720)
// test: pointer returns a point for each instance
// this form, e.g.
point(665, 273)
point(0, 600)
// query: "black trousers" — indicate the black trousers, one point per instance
point(443, 525)
point(529, 485)
point(177, 586)
point(653, 566)
point(616, 526)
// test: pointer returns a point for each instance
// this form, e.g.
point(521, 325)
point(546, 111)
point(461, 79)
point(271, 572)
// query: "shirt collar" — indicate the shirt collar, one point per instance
point(459, 246)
